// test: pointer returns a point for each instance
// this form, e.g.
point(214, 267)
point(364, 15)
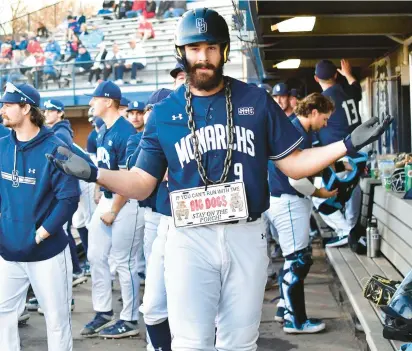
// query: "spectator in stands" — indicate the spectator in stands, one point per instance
point(49, 71)
point(163, 7)
point(13, 73)
point(73, 25)
point(33, 46)
point(83, 62)
point(72, 49)
point(123, 7)
point(42, 31)
point(98, 64)
point(6, 54)
point(136, 60)
point(9, 40)
point(137, 9)
point(54, 48)
point(114, 60)
point(34, 74)
point(91, 39)
point(145, 29)
point(150, 10)
point(177, 9)
point(108, 5)
point(22, 45)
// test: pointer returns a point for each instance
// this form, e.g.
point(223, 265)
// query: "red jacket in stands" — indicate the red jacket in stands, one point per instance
point(139, 5)
point(146, 26)
point(34, 46)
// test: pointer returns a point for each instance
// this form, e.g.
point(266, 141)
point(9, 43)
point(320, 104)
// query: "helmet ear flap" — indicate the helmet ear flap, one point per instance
point(225, 52)
point(180, 56)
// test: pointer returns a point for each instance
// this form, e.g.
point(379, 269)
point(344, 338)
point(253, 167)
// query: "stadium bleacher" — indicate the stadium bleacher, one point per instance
point(159, 54)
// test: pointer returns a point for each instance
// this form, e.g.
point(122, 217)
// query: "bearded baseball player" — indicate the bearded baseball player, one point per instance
point(33, 245)
point(215, 135)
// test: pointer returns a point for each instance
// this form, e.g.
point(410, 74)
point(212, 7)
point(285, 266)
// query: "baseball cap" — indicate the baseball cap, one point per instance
point(280, 89)
point(325, 69)
point(15, 94)
point(124, 101)
point(158, 96)
point(53, 105)
point(175, 71)
point(136, 106)
point(107, 89)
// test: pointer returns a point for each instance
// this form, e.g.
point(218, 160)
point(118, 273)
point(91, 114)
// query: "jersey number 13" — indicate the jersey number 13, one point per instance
point(351, 112)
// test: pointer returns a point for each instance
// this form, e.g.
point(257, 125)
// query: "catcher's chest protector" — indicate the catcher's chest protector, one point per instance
point(344, 185)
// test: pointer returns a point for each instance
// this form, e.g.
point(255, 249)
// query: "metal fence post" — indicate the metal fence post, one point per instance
point(157, 75)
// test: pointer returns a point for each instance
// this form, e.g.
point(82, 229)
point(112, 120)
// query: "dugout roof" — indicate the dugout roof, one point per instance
point(357, 30)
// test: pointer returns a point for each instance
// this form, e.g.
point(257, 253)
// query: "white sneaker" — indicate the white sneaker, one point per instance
point(311, 326)
point(133, 81)
point(119, 82)
point(79, 278)
point(32, 305)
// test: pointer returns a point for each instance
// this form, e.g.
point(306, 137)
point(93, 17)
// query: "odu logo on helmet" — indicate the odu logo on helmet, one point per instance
point(201, 25)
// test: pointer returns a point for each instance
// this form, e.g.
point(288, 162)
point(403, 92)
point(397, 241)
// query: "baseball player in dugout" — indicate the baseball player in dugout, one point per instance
point(215, 134)
point(280, 94)
point(289, 212)
point(344, 119)
point(36, 201)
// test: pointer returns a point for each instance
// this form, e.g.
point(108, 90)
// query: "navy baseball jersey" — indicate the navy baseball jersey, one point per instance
point(112, 145)
point(4, 131)
point(132, 152)
point(92, 142)
point(278, 182)
point(346, 116)
point(262, 132)
point(131, 149)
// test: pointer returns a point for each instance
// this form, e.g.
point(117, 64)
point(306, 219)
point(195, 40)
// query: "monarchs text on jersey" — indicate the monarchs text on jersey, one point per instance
point(261, 132)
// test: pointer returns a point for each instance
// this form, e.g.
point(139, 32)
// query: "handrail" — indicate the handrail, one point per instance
point(67, 78)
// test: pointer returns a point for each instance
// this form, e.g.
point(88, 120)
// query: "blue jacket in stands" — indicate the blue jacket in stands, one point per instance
point(84, 61)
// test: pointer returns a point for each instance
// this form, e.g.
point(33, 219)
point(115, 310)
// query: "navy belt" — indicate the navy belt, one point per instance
point(280, 194)
point(252, 218)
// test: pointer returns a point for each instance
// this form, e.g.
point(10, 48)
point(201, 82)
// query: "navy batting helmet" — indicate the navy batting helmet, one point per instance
point(201, 25)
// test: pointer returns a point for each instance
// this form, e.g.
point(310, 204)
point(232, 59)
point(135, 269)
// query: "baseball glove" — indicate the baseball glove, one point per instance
point(379, 289)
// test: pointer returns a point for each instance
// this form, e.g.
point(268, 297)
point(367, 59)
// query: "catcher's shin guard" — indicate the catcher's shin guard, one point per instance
point(296, 268)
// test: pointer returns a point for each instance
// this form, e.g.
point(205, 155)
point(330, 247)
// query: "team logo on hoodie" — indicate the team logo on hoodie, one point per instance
point(15, 178)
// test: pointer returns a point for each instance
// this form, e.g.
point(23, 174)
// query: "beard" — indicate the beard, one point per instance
point(202, 80)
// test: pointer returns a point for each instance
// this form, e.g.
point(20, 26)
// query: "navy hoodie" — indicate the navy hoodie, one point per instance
point(30, 189)
point(63, 131)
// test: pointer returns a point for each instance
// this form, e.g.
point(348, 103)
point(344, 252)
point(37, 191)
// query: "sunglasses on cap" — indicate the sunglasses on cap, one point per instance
point(48, 104)
point(11, 88)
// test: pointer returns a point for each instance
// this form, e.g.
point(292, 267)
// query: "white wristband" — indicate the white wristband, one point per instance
point(304, 186)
